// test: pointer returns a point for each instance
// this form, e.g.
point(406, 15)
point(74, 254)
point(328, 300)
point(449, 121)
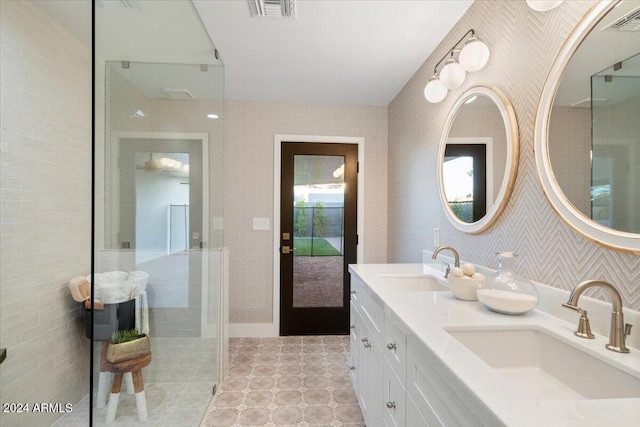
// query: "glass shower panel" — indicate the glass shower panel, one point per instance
point(159, 259)
point(615, 149)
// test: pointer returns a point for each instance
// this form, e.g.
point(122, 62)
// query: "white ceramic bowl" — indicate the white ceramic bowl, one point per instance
point(464, 288)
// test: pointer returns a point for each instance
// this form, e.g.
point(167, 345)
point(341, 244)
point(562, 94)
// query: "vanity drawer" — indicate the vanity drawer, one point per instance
point(357, 289)
point(372, 313)
point(394, 346)
point(353, 323)
point(415, 419)
point(394, 398)
point(434, 399)
point(352, 360)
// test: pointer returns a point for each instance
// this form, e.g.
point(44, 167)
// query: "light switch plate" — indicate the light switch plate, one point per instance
point(261, 223)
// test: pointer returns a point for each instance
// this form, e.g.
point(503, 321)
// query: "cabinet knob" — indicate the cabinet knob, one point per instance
point(353, 292)
point(364, 339)
point(391, 405)
point(367, 345)
point(352, 326)
point(391, 346)
point(353, 368)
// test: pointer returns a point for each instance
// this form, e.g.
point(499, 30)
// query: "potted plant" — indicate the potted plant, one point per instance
point(126, 345)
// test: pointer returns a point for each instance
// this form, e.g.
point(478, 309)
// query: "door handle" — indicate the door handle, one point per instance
point(286, 249)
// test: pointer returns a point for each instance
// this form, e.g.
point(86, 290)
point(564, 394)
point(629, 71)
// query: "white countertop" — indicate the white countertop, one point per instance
point(426, 314)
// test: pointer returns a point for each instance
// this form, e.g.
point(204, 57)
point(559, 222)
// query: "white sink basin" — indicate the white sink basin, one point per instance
point(413, 282)
point(537, 365)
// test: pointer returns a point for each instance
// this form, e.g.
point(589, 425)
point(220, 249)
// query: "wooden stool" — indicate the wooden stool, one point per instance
point(104, 380)
point(133, 366)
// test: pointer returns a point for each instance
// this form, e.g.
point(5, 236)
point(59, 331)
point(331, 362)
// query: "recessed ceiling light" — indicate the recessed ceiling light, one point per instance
point(212, 116)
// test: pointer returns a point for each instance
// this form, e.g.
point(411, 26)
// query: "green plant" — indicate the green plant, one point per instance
point(301, 221)
point(319, 218)
point(126, 335)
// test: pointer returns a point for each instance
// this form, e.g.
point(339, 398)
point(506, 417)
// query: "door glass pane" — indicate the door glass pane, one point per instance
point(458, 185)
point(318, 238)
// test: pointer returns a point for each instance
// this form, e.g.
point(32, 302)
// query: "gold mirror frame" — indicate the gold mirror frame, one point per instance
point(507, 112)
point(576, 220)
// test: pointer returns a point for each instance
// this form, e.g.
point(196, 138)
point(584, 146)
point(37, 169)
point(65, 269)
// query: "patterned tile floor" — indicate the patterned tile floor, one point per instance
point(286, 381)
point(177, 383)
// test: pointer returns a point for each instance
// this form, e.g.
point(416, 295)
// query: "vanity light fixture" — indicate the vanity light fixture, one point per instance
point(473, 56)
point(452, 74)
point(543, 5)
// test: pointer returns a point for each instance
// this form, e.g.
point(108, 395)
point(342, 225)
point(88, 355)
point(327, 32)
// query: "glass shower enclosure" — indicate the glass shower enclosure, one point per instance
point(159, 257)
point(615, 146)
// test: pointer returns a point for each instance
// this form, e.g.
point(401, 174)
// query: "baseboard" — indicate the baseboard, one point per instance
point(252, 330)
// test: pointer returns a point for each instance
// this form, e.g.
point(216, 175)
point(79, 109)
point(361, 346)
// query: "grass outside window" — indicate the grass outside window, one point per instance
point(321, 247)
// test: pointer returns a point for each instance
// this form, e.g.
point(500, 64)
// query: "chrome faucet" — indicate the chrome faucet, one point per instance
point(456, 257)
point(618, 332)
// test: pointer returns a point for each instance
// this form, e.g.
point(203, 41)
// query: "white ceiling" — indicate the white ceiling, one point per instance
point(333, 52)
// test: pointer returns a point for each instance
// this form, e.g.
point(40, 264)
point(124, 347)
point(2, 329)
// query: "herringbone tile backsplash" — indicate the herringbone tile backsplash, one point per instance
point(523, 47)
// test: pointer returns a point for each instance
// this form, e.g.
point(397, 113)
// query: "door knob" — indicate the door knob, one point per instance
point(391, 346)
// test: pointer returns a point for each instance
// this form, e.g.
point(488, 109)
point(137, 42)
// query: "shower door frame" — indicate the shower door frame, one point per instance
point(112, 204)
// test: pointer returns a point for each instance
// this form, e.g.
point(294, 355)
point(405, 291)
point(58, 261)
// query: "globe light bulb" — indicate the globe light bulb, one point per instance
point(543, 5)
point(452, 75)
point(435, 91)
point(474, 55)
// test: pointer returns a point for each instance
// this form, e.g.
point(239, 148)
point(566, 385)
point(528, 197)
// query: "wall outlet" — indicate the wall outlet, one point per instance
point(436, 237)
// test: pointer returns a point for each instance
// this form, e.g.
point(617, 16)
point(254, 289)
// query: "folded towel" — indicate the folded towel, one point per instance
point(118, 286)
point(142, 313)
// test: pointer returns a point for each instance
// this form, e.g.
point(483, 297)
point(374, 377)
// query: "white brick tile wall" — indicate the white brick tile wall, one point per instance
point(45, 207)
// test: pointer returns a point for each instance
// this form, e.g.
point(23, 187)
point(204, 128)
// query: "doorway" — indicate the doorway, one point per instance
point(318, 236)
point(466, 167)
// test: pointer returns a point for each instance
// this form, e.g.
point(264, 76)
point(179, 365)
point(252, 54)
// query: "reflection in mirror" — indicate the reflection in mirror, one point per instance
point(477, 158)
point(594, 130)
point(463, 168)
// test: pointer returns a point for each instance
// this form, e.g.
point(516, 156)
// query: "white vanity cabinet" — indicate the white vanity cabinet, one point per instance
point(394, 413)
point(435, 401)
point(365, 352)
point(392, 372)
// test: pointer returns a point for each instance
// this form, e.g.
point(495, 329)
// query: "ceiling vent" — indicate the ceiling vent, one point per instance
point(629, 22)
point(272, 8)
point(179, 94)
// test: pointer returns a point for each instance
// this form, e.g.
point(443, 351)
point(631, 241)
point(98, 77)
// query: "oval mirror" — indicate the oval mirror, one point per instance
point(477, 158)
point(587, 132)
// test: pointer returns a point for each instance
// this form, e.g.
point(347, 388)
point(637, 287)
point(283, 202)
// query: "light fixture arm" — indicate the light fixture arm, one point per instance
point(451, 51)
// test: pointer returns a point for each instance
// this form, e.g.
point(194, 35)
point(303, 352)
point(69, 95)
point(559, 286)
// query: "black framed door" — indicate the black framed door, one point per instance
point(318, 236)
point(478, 195)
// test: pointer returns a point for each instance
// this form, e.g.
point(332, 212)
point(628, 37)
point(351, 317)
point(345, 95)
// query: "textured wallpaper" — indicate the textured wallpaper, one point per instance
point(523, 46)
point(248, 159)
point(570, 136)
